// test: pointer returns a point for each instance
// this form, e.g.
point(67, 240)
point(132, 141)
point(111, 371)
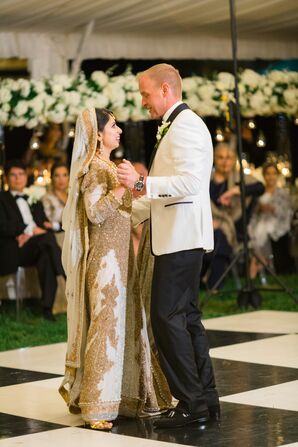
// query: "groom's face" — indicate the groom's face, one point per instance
point(153, 97)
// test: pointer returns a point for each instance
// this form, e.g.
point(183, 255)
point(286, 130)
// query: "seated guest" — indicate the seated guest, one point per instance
point(270, 224)
point(54, 201)
point(24, 239)
point(226, 210)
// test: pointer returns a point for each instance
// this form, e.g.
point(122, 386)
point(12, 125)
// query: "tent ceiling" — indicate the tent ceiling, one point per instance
point(277, 18)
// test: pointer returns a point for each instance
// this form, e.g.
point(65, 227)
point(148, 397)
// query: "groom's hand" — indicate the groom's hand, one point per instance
point(127, 175)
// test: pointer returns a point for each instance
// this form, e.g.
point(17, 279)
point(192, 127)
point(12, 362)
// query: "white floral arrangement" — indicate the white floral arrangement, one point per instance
point(25, 102)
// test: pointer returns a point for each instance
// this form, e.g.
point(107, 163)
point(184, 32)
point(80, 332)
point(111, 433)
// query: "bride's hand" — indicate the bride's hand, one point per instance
point(127, 175)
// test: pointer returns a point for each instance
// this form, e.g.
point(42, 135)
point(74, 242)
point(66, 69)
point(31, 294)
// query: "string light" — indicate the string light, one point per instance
point(261, 140)
point(219, 136)
point(251, 124)
point(71, 132)
point(296, 121)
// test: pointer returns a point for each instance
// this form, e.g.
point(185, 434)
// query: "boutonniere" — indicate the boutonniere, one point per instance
point(34, 193)
point(162, 130)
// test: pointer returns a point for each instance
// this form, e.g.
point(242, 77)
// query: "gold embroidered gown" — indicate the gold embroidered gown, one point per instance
point(116, 373)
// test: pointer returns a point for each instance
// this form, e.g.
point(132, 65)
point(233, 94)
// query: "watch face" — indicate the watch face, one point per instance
point(139, 185)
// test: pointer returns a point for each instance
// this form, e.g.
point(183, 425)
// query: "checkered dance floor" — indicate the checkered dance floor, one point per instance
point(255, 356)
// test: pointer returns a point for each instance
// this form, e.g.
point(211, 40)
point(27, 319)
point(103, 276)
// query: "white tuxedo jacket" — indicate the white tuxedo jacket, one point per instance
point(177, 196)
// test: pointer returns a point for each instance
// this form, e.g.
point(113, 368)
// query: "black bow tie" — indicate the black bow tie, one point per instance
point(21, 196)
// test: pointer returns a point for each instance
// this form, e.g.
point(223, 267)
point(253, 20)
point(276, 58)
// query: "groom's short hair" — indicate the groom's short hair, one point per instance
point(165, 73)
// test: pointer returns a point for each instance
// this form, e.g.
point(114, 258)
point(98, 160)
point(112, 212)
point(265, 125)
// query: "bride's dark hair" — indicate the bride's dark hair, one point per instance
point(102, 118)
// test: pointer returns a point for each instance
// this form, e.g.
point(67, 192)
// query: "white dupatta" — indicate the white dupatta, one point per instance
point(74, 254)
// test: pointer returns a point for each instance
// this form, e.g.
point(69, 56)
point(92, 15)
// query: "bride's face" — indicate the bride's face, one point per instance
point(110, 135)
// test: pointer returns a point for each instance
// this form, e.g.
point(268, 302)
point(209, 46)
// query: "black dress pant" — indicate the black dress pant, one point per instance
point(44, 253)
point(179, 334)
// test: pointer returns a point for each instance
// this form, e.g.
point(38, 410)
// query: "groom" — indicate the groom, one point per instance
point(178, 205)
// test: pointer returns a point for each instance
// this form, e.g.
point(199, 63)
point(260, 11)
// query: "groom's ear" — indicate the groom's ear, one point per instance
point(165, 87)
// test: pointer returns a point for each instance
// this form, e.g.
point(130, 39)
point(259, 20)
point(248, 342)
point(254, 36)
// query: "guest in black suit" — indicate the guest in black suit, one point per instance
point(24, 241)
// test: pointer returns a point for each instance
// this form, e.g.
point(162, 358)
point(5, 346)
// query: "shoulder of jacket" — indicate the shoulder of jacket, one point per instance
point(189, 116)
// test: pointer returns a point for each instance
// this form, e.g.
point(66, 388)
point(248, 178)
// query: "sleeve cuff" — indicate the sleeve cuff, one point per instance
point(56, 226)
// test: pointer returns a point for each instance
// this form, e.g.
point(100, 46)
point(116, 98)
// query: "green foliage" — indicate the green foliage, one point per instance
point(32, 330)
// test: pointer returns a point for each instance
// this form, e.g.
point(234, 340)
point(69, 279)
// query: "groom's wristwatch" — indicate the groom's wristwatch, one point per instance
point(139, 184)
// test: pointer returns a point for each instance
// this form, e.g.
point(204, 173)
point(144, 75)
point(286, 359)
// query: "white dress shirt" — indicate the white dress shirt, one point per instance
point(25, 212)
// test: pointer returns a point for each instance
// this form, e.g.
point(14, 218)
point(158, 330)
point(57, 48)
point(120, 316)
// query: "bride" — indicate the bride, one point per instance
point(108, 361)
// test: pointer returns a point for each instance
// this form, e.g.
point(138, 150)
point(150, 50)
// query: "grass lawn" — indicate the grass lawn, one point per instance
point(32, 330)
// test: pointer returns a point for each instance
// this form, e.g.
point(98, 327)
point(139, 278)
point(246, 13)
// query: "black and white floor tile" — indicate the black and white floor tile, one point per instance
point(255, 357)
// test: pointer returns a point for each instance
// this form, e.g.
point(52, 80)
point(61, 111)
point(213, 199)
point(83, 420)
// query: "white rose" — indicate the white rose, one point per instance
point(189, 84)
point(32, 123)
point(48, 100)
point(72, 112)
point(36, 104)
point(241, 88)
point(193, 102)
point(100, 78)
point(3, 117)
point(17, 122)
point(267, 90)
point(88, 102)
point(291, 96)
point(5, 95)
point(139, 114)
point(122, 113)
point(56, 117)
point(21, 108)
point(206, 91)
point(137, 99)
point(25, 87)
point(82, 88)
point(64, 80)
point(71, 98)
point(130, 82)
point(100, 100)
point(5, 107)
point(248, 112)
point(57, 89)
point(115, 94)
point(38, 86)
point(293, 76)
point(250, 78)
point(13, 85)
point(225, 80)
point(257, 101)
point(206, 108)
point(74, 98)
point(118, 80)
point(278, 76)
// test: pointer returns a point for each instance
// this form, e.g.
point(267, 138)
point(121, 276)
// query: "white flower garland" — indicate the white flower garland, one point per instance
point(28, 103)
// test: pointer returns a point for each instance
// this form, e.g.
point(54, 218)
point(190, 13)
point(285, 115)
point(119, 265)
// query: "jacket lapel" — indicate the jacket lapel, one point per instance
point(171, 118)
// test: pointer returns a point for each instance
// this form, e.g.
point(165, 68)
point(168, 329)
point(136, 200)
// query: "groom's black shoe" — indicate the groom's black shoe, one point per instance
point(179, 418)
